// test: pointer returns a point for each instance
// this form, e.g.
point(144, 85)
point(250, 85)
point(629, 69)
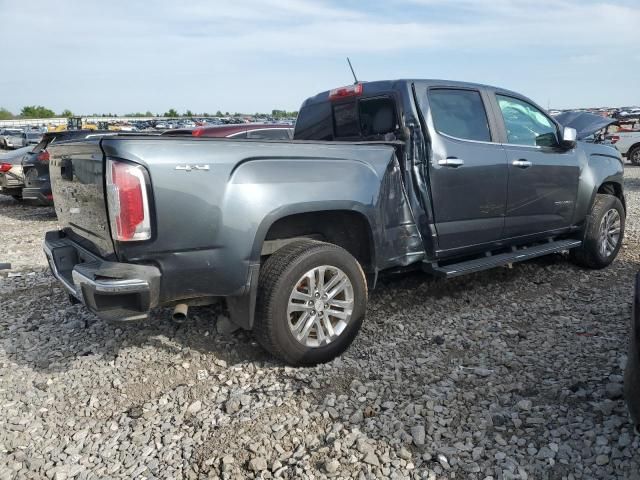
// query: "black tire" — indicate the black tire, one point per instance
point(633, 155)
point(17, 197)
point(279, 275)
point(590, 255)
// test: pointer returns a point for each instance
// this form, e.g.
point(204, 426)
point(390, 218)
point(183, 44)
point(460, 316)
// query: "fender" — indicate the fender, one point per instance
point(601, 164)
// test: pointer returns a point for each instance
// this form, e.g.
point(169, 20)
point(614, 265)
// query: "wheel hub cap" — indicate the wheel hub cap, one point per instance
point(320, 306)
point(609, 232)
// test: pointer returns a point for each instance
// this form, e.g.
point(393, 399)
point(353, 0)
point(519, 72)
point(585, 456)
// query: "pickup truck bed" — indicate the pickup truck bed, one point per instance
point(210, 222)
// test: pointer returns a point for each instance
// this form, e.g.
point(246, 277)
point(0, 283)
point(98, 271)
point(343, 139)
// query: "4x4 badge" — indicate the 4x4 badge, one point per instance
point(188, 168)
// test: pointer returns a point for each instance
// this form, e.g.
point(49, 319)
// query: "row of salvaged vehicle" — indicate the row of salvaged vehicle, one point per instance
point(12, 138)
point(24, 172)
point(623, 134)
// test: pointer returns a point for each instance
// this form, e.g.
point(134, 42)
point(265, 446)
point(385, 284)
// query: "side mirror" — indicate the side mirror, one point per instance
point(569, 137)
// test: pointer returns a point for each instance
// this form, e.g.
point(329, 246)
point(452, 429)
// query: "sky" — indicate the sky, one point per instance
point(252, 56)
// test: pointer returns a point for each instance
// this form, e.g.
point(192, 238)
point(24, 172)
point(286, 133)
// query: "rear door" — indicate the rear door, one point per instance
point(467, 169)
point(543, 177)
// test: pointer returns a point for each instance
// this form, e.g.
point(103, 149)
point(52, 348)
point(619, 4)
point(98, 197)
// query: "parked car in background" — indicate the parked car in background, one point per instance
point(632, 370)
point(31, 137)
point(11, 138)
point(256, 131)
point(628, 144)
point(35, 164)
point(447, 177)
point(11, 175)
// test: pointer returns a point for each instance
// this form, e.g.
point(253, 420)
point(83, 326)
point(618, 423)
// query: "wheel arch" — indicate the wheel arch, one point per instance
point(346, 227)
point(611, 188)
point(631, 148)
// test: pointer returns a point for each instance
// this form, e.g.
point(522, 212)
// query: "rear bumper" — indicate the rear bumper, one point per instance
point(10, 182)
point(42, 195)
point(113, 291)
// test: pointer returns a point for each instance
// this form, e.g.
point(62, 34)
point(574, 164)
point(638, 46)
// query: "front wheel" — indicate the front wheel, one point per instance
point(312, 299)
point(603, 235)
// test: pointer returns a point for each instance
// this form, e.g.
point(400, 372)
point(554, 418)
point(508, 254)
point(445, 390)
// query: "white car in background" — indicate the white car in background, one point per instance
point(628, 144)
point(11, 138)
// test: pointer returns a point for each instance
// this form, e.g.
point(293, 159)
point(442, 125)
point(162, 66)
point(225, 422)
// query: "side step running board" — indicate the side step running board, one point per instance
point(484, 263)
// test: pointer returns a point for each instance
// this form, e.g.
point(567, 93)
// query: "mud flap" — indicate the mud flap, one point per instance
point(242, 307)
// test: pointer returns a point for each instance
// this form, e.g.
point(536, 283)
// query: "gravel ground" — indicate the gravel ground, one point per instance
point(507, 374)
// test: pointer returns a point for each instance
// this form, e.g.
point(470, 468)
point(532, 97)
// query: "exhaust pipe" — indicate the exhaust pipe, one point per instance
point(180, 313)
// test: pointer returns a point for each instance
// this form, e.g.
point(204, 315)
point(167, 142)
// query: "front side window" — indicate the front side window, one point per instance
point(459, 113)
point(526, 124)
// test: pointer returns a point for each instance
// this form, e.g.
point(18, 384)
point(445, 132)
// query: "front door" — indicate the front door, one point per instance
point(467, 171)
point(543, 177)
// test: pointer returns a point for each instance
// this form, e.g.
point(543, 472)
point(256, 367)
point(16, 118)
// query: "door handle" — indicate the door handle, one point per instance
point(451, 162)
point(522, 163)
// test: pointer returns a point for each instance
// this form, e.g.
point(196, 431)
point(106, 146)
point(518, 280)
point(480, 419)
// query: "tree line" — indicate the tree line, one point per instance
point(38, 111)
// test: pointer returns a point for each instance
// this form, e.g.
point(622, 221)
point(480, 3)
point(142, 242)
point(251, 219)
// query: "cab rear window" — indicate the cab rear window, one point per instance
point(355, 119)
point(345, 117)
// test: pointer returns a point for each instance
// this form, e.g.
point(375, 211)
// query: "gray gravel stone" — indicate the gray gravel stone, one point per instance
point(332, 466)
point(258, 464)
point(505, 374)
point(418, 434)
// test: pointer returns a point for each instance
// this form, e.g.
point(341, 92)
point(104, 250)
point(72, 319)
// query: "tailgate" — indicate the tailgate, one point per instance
point(77, 184)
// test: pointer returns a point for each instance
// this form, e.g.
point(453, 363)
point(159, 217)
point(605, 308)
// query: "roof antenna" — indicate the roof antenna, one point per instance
point(354, 73)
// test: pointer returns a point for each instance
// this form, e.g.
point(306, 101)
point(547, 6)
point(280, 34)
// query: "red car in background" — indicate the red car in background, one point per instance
point(257, 131)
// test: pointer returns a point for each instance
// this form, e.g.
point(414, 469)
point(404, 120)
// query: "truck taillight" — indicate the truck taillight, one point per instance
point(348, 91)
point(43, 156)
point(128, 201)
point(5, 167)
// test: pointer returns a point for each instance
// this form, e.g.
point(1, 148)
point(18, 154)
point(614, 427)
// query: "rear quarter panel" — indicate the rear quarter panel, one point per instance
point(210, 223)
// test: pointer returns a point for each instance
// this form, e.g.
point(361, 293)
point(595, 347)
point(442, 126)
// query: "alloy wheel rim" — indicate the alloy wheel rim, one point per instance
point(320, 306)
point(609, 232)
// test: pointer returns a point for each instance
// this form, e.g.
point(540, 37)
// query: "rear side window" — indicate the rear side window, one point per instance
point(459, 113)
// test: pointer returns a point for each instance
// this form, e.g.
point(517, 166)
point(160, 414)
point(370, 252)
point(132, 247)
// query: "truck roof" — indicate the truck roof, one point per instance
point(379, 86)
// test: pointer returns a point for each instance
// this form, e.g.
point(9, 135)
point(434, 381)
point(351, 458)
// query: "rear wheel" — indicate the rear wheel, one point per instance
point(312, 300)
point(603, 235)
point(634, 155)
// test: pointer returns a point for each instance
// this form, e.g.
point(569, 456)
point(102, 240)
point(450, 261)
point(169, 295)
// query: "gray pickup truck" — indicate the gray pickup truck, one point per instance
point(447, 177)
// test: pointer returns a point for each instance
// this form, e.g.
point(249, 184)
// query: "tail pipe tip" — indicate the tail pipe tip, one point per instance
point(180, 312)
